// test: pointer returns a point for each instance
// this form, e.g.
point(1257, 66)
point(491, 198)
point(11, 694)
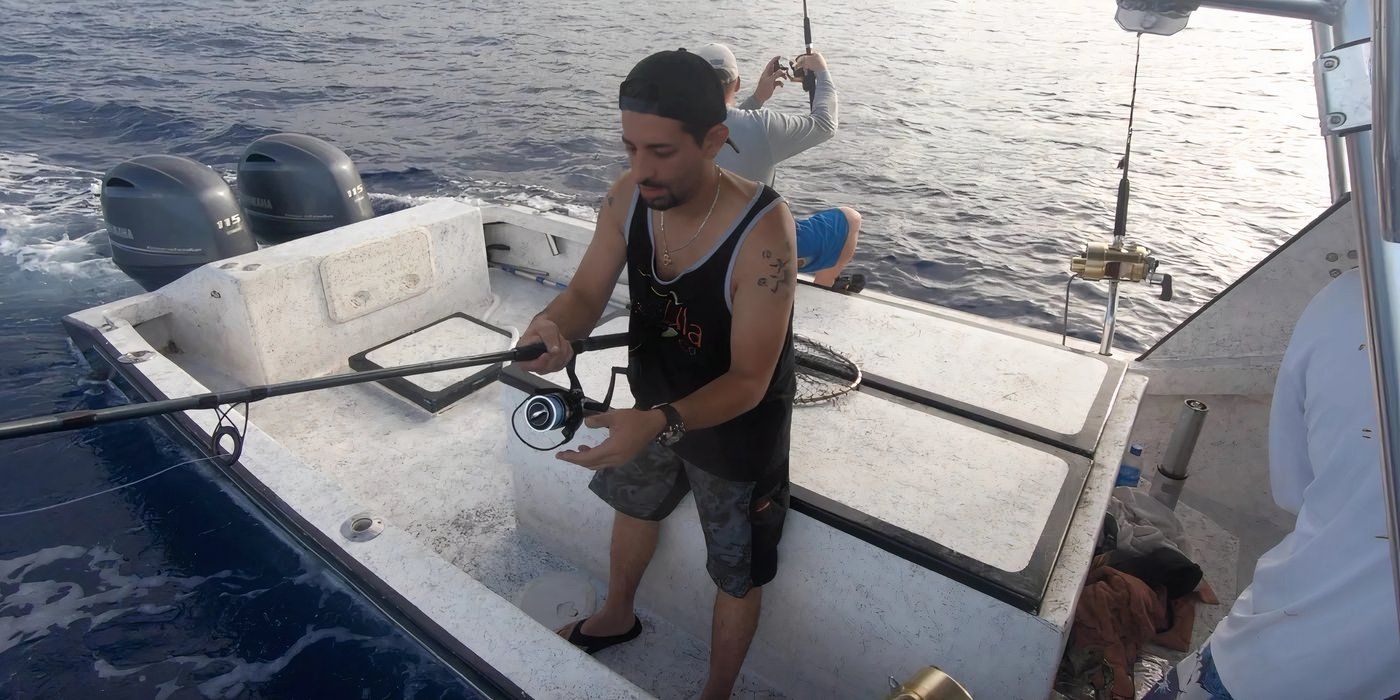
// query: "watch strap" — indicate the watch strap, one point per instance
point(673, 417)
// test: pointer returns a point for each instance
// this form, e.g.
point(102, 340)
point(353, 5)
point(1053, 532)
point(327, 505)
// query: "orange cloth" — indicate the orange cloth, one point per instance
point(1117, 613)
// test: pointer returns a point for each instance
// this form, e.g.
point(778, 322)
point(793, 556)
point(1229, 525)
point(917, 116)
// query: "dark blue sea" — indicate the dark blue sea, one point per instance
point(978, 138)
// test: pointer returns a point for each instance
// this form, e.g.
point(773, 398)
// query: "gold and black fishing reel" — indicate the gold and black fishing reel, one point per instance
point(1128, 262)
point(930, 683)
point(1117, 261)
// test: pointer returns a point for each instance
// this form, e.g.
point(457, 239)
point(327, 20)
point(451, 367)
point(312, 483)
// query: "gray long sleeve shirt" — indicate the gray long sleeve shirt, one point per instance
point(766, 137)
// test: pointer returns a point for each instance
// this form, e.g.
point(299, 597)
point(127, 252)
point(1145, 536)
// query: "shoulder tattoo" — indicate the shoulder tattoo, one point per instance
point(779, 272)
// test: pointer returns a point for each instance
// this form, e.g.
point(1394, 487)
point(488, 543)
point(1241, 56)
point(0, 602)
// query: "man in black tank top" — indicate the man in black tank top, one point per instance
point(710, 262)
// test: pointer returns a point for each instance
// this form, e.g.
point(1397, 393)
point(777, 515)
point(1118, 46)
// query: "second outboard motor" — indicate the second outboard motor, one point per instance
point(167, 215)
point(293, 185)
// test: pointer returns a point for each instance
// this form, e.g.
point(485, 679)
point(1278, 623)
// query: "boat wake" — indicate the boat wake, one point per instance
point(119, 616)
point(51, 215)
point(51, 220)
point(32, 607)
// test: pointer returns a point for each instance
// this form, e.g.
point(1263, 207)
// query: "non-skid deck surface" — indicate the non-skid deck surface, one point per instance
point(445, 479)
point(1053, 392)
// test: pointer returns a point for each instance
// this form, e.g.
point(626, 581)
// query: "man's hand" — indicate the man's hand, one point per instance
point(629, 431)
point(811, 61)
point(558, 350)
point(772, 78)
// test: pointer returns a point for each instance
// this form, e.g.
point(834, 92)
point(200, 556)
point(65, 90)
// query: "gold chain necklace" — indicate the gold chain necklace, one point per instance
point(666, 249)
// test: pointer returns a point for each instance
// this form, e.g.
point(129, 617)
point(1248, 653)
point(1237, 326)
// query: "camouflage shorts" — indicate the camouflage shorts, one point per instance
point(741, 528)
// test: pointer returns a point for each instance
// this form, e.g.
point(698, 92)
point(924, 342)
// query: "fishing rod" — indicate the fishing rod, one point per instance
point(809, 81)
point(1118, 260)
point(73, 420)
point(1120, 215)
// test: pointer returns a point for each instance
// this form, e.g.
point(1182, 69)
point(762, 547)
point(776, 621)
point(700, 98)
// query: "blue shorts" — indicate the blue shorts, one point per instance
point(1192, 678)
point(820, 239)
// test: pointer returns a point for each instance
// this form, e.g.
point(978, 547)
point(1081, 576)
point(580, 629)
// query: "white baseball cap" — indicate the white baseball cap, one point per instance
point(722, 59)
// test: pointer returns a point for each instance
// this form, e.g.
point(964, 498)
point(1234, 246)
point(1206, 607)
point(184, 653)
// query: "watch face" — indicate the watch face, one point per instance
point(669, 436)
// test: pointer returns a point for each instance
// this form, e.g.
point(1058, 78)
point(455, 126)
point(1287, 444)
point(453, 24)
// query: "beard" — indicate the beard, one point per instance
point(669, 200)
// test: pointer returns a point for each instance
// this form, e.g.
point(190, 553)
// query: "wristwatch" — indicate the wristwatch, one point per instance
point(675, 427)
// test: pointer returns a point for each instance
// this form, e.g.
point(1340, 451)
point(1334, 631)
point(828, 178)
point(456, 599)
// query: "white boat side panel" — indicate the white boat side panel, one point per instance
point(358, 280)
point(263, 317)
point(1251, 324)
point(494, 629)
point(455, 337)
point(1039, 384)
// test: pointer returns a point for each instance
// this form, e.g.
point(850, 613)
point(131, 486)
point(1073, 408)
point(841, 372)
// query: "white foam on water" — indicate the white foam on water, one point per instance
point(37, 608)
point(51, 220)
point(231, 684)
point(477, 191)
point(482, 193)
point(240, 672)
point(552, 202)
point(51, 215)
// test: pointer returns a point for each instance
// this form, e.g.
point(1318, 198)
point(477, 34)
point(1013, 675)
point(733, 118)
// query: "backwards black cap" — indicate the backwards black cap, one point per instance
point(677, 85)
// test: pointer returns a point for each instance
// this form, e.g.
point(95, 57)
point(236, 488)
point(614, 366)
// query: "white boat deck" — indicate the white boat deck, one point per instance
point(907, 518)
point(445, 480)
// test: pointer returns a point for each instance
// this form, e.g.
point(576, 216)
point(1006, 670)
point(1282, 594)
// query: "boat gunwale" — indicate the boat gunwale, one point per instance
point(418, 625)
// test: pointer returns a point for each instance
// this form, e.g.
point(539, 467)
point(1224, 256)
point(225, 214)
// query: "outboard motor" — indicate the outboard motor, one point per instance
point(167, 215)
point(293, 185)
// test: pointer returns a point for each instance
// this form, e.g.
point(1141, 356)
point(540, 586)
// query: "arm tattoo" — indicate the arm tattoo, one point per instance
point(779, 273)
point(610, 200)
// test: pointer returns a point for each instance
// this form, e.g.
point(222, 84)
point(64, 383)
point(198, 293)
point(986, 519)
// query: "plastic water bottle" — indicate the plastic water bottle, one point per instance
point(1130, 471)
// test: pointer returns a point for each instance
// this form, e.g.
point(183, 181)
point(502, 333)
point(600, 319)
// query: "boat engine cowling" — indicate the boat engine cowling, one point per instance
point(294, 185)
point(167, 215)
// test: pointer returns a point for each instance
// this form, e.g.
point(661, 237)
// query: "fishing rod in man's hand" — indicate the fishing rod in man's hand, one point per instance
point(73, 420)
point(809, 79)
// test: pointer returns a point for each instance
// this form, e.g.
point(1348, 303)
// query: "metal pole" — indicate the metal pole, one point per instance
point(1110, 314)
point(1171, 474)
point(1385, 130)
point(1335, 149)
point(1385, 113)
point(1371, 155)
point(1315, 10)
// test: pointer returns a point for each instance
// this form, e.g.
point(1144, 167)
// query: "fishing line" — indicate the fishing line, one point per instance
point(71, 501)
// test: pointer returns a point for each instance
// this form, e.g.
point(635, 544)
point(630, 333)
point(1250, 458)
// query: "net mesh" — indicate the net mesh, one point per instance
point(823, 374)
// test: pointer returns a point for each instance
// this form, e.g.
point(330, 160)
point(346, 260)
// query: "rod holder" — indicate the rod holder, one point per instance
point(1117, 261)
point(1172, 472)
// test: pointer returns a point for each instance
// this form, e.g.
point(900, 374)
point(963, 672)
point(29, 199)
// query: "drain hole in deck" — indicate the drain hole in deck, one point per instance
point(362, 527)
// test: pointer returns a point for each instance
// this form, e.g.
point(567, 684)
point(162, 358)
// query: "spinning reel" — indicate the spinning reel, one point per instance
point(548, 410)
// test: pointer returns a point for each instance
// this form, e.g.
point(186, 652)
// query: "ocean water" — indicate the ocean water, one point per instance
point(979, 139)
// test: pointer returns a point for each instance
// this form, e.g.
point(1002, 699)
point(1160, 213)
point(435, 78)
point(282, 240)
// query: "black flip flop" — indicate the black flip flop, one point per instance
point(592, 645)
